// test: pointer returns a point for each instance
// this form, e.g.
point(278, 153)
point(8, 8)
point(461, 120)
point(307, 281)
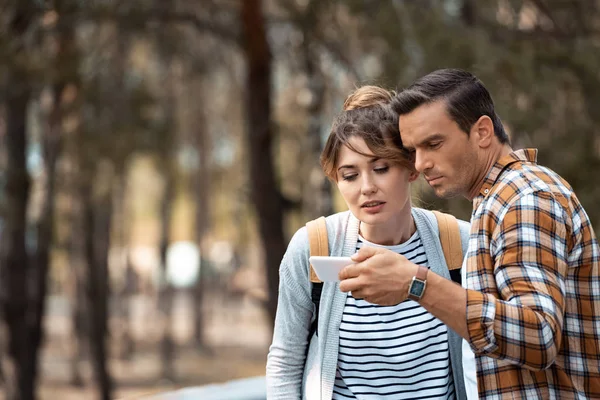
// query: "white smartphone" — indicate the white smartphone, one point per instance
point(328, 268)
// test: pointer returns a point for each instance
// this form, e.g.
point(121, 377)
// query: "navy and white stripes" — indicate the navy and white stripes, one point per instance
point(395, 352)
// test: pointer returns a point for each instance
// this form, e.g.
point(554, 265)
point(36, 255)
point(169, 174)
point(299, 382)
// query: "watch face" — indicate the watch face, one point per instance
point(417, 287)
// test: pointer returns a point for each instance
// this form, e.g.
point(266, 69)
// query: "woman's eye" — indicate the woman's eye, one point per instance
point(382, 170)
point(349, 177)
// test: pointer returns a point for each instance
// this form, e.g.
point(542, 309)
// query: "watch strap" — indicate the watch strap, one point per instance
point(422, 273)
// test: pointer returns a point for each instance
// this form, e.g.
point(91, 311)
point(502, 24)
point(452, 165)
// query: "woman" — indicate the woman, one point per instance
point(364, 350)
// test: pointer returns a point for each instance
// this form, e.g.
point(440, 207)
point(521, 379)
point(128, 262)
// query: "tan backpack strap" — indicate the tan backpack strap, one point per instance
point(450, 240)
point(318, 242)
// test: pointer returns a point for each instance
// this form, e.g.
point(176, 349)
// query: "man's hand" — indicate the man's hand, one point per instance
point(380, 276)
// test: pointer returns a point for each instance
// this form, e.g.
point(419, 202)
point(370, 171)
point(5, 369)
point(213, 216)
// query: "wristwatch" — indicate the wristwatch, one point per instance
point(418, 284)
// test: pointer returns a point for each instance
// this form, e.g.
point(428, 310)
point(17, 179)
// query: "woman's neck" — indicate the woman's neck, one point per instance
point(395, 231)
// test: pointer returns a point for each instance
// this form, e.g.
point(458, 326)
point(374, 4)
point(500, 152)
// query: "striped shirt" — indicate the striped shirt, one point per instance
point(533, 311)
point(396, 352)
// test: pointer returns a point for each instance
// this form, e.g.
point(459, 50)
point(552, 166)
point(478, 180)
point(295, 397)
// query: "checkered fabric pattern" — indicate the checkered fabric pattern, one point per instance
point(533, 304)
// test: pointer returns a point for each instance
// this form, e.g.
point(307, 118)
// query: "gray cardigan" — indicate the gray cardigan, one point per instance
point(294, 373)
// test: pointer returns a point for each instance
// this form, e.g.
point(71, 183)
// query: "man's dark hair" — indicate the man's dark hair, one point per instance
point(466, 98)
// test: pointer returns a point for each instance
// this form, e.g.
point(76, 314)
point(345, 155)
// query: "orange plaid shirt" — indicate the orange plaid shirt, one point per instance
point(533, 304)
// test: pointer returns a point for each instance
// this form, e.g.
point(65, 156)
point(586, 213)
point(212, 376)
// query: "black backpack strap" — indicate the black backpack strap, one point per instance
point(317, 288)
point(455, 276)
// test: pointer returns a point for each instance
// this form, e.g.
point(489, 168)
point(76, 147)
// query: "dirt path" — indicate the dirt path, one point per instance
point(139, 376)
point(238, 336)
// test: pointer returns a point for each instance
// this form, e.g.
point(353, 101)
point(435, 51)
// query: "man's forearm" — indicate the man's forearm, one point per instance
point(447, 301)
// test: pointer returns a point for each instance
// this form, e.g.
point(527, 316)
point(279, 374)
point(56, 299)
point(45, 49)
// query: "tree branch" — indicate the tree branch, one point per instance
point(502, 33)
point(338, 54)
point(545, 10)
point(138, 19)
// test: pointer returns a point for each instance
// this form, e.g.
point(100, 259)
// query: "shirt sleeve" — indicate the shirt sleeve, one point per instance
point(522, 322)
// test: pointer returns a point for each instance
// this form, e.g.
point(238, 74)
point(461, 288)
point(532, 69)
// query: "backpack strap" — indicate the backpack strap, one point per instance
point(451, 243)
point(319, 246)
point(318, 242)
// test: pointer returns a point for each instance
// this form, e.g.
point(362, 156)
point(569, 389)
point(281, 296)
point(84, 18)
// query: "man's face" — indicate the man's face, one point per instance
point(444, 153)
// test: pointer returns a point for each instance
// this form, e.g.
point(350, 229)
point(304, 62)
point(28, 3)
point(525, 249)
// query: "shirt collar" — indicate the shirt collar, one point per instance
point(525, 155)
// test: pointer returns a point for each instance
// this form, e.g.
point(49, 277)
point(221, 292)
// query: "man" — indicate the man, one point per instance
point(531, 307)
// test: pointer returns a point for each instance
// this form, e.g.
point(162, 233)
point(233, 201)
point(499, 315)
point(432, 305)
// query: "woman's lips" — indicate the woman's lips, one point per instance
point(373, 206)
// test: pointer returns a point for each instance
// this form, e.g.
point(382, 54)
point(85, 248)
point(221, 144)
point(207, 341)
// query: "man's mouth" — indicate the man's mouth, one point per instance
point(432, 180)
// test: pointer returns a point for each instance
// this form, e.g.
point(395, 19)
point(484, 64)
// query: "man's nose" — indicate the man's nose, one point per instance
point(422, 162)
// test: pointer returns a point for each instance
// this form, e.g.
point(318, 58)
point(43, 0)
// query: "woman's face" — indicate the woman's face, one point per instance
point(375, 190)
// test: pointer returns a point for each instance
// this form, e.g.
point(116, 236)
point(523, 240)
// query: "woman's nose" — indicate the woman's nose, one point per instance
point(368, 186)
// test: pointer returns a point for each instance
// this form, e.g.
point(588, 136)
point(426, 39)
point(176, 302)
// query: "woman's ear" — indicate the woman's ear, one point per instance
point(413, 176)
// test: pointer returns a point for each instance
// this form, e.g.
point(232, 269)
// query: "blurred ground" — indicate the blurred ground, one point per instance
point(237, 333)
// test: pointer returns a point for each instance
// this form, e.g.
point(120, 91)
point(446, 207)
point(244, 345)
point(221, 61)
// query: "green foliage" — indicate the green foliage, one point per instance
point(538, 59)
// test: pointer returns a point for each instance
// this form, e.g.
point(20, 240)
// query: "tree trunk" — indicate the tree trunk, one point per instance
point(15, 267)
point(201, 189)
point(198, 295)
point(131, 279)
point(167, 156)
point(66, 90)
point(317, 194)
point(97, 231)
point(265, 194)
point(3, 163)
point(167, 347)
point(14, 264)
point(44, 231)
point(78, 309)
point(123, 108)
point(76, 249)
point(124, 292)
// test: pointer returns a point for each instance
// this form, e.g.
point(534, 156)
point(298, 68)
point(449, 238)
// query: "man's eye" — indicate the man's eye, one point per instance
point(435, 145)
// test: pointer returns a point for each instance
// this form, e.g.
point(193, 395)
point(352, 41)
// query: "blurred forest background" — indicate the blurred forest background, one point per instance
point(157, 155)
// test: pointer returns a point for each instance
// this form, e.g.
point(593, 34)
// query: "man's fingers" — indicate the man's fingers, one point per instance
point(350, 271)
point(349, 285)
point(357, 294)
point(364, 253)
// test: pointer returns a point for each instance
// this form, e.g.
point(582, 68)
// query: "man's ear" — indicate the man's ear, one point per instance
point(413, 176)
point(483, 131)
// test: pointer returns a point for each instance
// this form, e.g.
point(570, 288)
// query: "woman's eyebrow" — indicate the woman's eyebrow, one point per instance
point(371, 161)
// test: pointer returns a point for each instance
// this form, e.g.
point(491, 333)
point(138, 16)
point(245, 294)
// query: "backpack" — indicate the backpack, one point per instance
point(319, 246)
